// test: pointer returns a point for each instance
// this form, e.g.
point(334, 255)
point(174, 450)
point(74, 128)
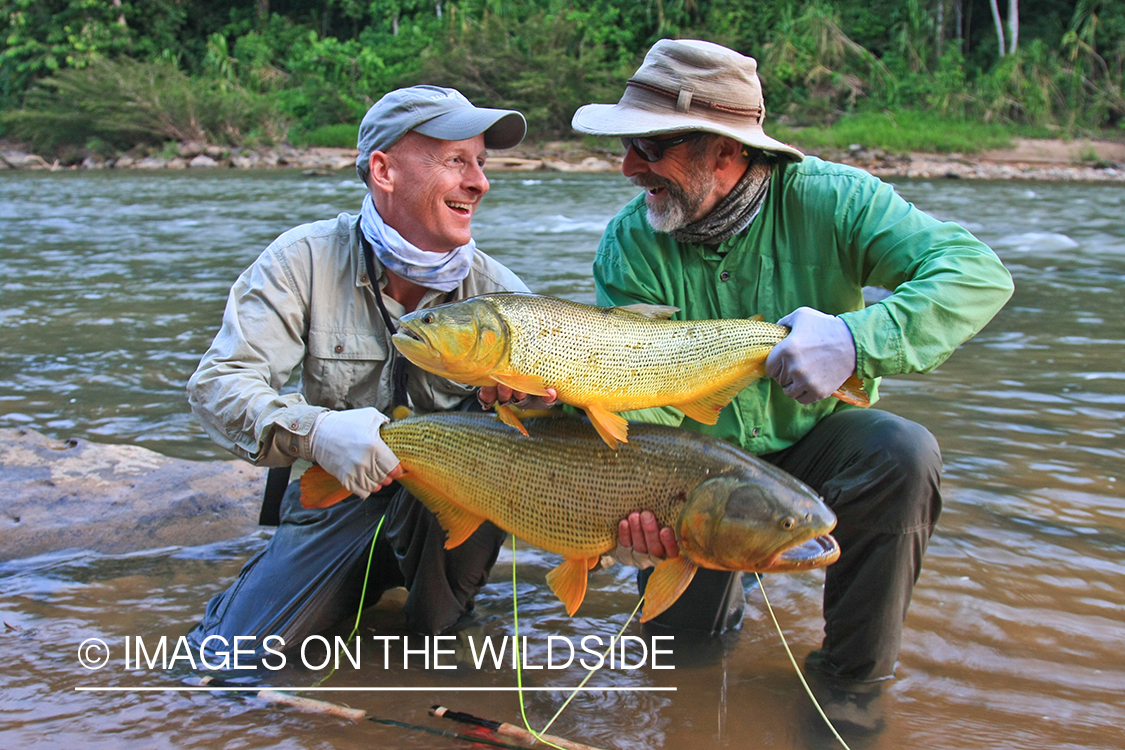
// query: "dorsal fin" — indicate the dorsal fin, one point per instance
point(645, 310)
point(459, 523)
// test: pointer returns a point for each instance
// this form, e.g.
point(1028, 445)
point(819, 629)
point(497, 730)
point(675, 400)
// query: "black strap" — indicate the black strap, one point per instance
point(276, 482)
point(398, 362)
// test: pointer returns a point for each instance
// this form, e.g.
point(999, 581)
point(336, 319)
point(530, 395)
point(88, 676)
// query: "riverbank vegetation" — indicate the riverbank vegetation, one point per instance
point(80, 76)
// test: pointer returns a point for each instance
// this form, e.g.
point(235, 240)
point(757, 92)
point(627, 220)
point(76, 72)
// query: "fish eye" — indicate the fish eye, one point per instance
point(788, 523)
point(428, 318)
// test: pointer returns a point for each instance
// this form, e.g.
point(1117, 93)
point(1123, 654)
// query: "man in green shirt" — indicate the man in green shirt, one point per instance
point(732, 224)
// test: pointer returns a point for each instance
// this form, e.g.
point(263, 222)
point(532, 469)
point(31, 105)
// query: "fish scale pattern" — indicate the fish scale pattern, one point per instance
point(626, 361)
point(562, 489)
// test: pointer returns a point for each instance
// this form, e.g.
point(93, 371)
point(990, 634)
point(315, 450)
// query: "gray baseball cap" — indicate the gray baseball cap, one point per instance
point(437, 112)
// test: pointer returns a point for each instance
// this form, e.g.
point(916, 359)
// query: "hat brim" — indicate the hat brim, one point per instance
point(618, 120)
point(502, 128)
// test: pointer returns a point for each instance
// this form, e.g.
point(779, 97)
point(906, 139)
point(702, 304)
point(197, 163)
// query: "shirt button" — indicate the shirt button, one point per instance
point(293, 426)
point(293, 450)
point(363, 279)
point(339, 348)
point(724, 276)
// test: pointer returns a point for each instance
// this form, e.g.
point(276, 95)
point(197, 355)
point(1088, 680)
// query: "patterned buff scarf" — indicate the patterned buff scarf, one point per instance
point(735, 212)
point(441, 271)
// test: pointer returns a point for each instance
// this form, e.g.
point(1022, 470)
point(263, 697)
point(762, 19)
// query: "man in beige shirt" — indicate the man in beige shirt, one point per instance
point(325, 298)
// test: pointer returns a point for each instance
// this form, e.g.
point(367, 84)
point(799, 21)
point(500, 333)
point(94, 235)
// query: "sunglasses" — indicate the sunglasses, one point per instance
point(652, 150)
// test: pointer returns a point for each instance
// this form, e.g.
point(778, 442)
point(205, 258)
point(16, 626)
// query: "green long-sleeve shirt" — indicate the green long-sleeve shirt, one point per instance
point(824, 232)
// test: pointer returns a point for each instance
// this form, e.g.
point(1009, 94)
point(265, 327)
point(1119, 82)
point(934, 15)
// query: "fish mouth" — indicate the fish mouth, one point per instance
point(819, 552)
point(410, 334)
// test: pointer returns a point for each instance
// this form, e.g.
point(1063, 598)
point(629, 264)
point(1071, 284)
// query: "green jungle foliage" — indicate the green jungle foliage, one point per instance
point(123, 72)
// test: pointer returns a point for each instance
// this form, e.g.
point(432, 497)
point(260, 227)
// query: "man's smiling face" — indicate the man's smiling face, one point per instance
point(437, 188)
point(677, 187)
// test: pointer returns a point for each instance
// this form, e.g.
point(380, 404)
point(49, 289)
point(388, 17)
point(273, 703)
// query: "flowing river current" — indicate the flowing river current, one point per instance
point(112, 286)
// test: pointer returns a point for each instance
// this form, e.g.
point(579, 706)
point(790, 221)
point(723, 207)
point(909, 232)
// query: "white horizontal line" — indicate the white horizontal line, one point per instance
point(432, 688)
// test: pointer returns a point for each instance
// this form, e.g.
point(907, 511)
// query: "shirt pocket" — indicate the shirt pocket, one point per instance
point(340, 364)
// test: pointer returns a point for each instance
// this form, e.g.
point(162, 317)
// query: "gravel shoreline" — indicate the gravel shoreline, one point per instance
point(1069, 161)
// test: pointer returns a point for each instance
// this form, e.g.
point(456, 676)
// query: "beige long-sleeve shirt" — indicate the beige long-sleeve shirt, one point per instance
point(307, 303)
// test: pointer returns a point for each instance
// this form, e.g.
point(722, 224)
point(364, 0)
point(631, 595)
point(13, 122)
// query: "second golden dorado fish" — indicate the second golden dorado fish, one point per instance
point(564, 491)
point(601, 359)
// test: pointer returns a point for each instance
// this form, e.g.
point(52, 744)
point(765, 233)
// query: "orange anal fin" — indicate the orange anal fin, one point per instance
point(613, 428)
point(532, 384)
point(853, 392)
point(459, 523)
point(508, 417)
point(319, 489)
point(706, 410)
point(568, 581)
point(669, 579)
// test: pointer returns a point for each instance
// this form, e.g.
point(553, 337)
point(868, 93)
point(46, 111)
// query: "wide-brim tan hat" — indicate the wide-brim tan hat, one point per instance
point(687, 84)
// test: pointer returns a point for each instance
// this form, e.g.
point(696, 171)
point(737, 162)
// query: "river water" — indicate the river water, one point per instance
point(112, 285)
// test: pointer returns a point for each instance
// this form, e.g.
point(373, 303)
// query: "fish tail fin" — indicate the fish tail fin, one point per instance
point(853, 392)
point(508, 417)
point(668, 581)
point(568, 581)
point(319, 489)
point(613, 428)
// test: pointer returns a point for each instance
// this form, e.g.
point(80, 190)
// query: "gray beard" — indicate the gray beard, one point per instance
point(734, 212)
point(681, 203)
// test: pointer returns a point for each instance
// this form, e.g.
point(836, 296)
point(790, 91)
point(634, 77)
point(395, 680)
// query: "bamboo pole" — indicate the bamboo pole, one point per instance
point(508, 730)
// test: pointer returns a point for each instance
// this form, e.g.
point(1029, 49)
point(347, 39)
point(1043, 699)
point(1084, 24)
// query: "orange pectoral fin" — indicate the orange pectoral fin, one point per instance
point(508, 417)
point(532, 384)
point(568, 581)
point(853, 392)
point(669, 579)
point(706, 410)
point(319, 489)
point(613, 428)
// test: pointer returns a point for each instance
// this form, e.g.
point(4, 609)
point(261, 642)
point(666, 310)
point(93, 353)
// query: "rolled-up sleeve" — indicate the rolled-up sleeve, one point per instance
point(235, 391)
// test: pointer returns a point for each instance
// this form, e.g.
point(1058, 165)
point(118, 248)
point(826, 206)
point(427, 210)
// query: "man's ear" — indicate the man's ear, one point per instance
point(380, 172)
point(729, 151)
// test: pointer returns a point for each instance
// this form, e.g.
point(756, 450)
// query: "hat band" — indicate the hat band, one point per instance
point(690, 100)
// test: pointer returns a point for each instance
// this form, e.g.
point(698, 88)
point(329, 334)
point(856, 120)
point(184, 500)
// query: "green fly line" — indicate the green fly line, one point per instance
point(362, 596)
point(793, 661)
point(613, 641)
point(519, 671)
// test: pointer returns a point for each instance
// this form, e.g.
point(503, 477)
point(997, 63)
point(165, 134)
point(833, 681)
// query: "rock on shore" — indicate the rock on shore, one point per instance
point(117, 498)
point(1058, 160)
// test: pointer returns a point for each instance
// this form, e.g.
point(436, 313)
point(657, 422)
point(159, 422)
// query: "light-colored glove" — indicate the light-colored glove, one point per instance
point(815, 358)
point(348, 446)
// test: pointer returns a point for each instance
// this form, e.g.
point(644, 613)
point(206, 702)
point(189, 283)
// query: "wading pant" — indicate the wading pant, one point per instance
point(311, 574)
point(881, 476)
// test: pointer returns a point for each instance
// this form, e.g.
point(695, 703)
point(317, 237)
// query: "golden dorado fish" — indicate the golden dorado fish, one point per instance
point(601, 359)
point(565, 491)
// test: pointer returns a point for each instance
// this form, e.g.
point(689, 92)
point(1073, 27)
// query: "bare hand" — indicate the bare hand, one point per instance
point(502, 395)
point(641, 542)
